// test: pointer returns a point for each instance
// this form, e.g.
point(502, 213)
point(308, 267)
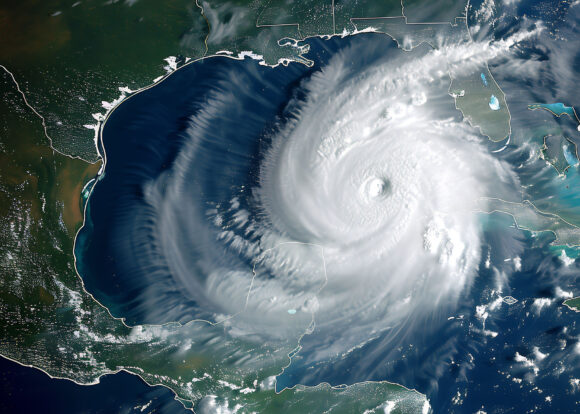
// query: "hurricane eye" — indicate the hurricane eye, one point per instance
point(378, 188)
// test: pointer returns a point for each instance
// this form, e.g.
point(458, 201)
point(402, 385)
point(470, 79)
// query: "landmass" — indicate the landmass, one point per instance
point(573, 304)
point(528, 217)
point(557, 109)
point(558, 149)
point(51, 323)
point(94, 53)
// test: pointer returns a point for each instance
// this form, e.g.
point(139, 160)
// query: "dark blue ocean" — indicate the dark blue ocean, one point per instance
point(28, 390)
point(460, 367)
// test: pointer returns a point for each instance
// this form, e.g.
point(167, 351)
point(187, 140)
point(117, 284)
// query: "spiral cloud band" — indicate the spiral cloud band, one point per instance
point(338, 201)
point(377, 170)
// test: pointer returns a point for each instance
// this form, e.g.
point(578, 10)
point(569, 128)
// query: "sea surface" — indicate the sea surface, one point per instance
point(29, 390)
point(499, 353)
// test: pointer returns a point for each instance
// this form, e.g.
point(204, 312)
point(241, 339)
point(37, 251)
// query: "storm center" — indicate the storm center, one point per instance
point(378, 187)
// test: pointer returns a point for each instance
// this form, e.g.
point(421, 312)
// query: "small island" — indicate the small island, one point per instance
point(573, 303)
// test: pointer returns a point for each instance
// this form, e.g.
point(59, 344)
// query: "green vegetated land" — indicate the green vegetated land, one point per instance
point(573, 304)
point(69, 57)
point(50, 322)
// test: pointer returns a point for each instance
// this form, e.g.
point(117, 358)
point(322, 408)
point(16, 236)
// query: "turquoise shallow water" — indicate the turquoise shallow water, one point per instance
point(471, 358)
point(463, 365)
point(494, 103)
point(557, 109)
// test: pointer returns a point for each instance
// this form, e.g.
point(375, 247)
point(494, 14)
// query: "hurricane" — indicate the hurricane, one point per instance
point(374, 169)
point(290, 207)
point(334, 208)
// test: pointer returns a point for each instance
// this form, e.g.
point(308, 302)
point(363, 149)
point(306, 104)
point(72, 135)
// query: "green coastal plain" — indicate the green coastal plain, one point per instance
point(573, 304)
point(50, 322)
point(72, 57)
point(63, 65)
point(70, 60)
